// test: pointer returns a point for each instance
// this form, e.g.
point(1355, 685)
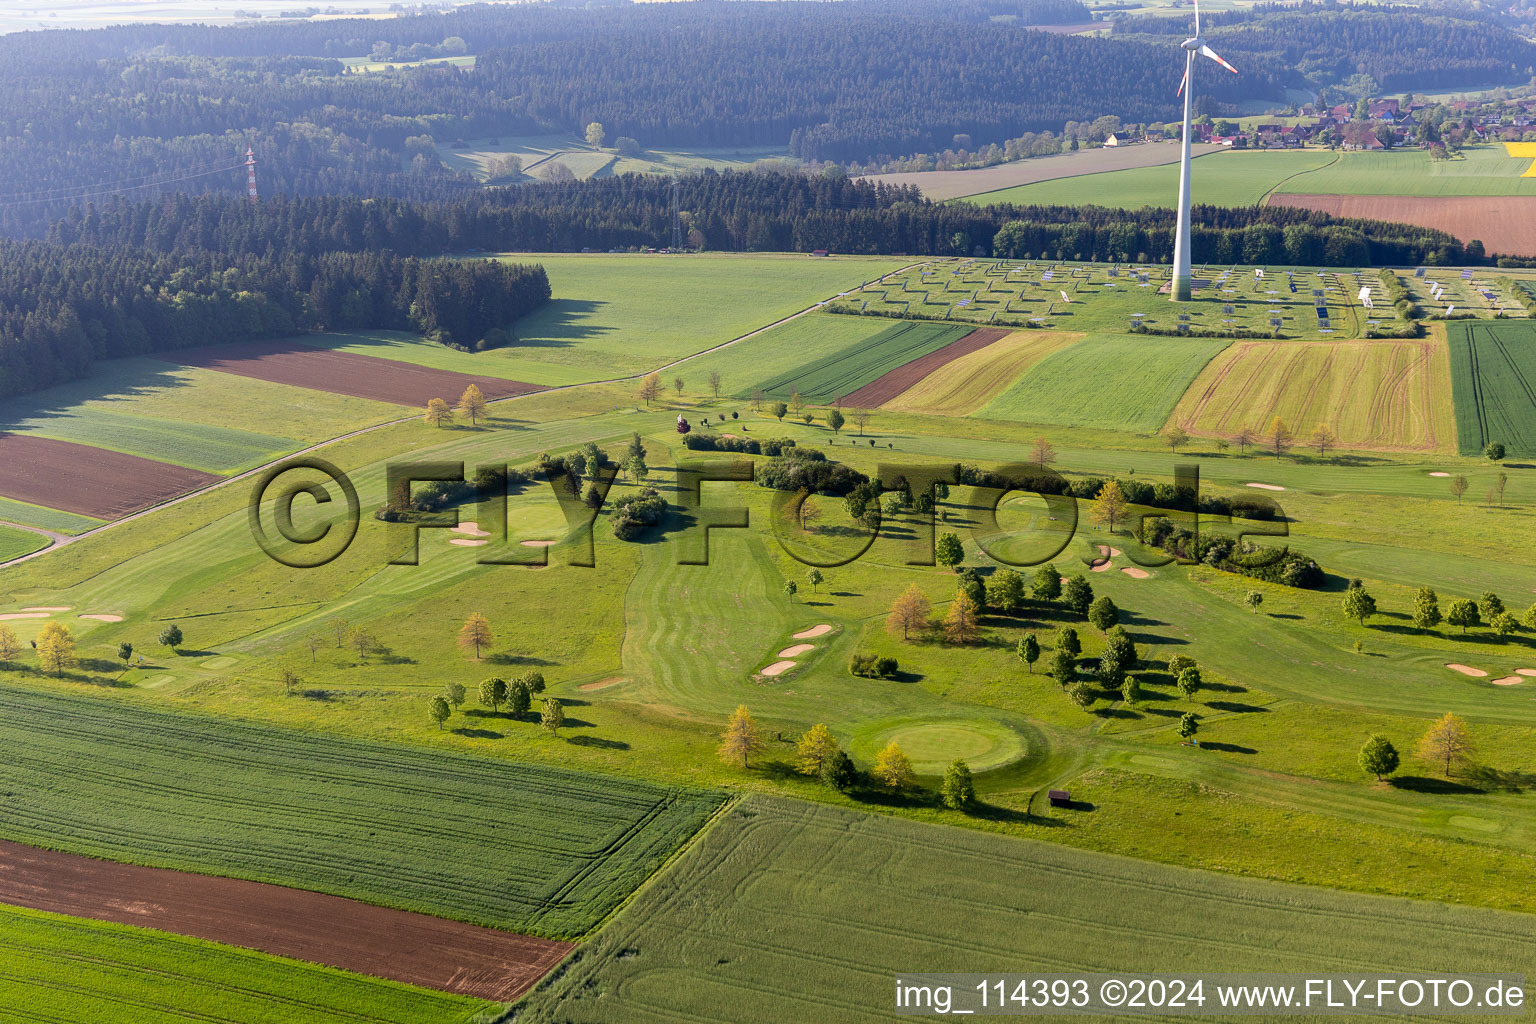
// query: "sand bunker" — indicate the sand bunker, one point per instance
point(778, 668)
point(603, 683)
point(23, 615)
point(538, 543)
point(1135, 573)
point(1266, 487)
point(1507, 681)
point(1525, 671)
point(806, 634)
point(48, 608)
point(1106, 553)
point(104, 618)
point(465, 542)
point(472, 529)
point(1439, 474)
point(796, 651)
point(1466, 670)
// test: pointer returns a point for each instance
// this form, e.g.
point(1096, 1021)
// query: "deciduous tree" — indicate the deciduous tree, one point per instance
point(1358, 604)
point(171, 636)
point(1463, 613)
point(714, 382)
point(1028, 650)
point(814, 750)
point(1490, 606)
point(472, 404)
point(10, 647)
point(1323, 440)
point(493, 692)
point(893, 768)
point(1447, 743)
point(125, 652)
point(1077, 594)
point(959, 789)
point(1007, 591)
point(1082, 695)
point(1044, 454)
point(1253, 599)
point(741, 738)
point(650, 389)
point(1047, 583)
point(1245, 438)
point(1280, 438)
point(960, 625)
point(475, 634)
point(1189, 682)
point(910, 612)
point(1176, 437)
point(777, 411)
point(1067, 640)
point(290, 679)
point(553, 715)
point(362, 641)
point(861, 418)
point(438, 412)
point(454, 694)
point(839, 772)
point(791, 588)
point(1378, 757)
point(1189, 725)
point(1458, 486)
point(438, 710)
point(1110, 506)
point(1130, 691)
point(1063, 667)
point(55, 648)
point(314, 641)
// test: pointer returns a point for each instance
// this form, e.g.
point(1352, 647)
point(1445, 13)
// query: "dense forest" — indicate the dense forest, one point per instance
point(63, 307)
point(732, 211)
point(1399, 47)
point(146, 110)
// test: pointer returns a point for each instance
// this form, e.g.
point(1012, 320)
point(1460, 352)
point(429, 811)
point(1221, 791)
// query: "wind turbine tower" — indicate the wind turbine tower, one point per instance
point(1182, 286)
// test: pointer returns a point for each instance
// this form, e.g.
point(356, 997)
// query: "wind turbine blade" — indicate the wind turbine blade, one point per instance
point(1197, 19)
point(1208, 52)
point(1182, 83)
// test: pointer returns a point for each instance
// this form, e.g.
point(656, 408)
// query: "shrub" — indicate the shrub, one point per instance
point(872, 666)
point(632, 514)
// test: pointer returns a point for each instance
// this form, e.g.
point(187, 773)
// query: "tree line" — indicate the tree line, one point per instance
point(62, 307)
point(750, 211)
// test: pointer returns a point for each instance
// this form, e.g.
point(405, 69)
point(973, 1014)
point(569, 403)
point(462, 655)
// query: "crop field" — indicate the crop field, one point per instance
point(1488, 170)
point(780, 350)
point(843, 372)
point(893, 382)
point(1223, 178)
point(986, 184)
point(1501, 223)
point(491, 843)
point(842, 891)
point(63, 970)
point(1120, 382)
point(961, 387)
point(44, 518)
point(1116, 297)
point(1380, 395)
point(1493, 379)
point(88, 481)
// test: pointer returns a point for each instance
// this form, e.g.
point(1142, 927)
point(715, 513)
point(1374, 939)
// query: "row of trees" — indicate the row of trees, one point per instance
point(1447, 744)
point(56, 646)
point(1463, 612)
point(517, 695)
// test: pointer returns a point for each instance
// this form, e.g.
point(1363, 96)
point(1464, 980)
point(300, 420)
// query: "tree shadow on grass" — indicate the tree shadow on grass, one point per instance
point(1499, 779)
point(1116, 712)
point(1230, 748)
point(503, 658)
point(1423, 784)
point(600, 742)
point(1234, 707)
point(479, 734)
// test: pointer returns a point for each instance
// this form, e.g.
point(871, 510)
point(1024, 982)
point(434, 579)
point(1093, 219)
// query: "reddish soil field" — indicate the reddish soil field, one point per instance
point(343, 373)
point(413, 948)
point(89, 481)
point(886, 387)
point(1504, 224)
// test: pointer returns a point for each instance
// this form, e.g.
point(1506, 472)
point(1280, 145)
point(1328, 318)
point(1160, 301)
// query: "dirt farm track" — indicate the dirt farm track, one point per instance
point(1505, 225)
point(413, 948)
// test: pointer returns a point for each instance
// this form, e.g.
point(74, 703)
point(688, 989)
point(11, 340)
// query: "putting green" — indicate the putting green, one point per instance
point(932, 745)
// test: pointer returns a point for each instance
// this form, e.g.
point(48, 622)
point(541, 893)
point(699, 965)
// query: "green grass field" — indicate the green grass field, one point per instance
point(527, 849)
point(1481, 171)
point(619, 315)
point(845, 371)
point(1493, 372)
point(45, 518)
point(1121, 382)
point(791, 912)
point(63, 970)
point(780, 350)
point(1222, 179)
point(14, 543)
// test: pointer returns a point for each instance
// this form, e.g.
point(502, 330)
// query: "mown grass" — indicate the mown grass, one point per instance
point(1122, 382)
point(53, 519)
point(529, 849)
point(842, 892)
point(1493, 379)
point(776, 352)
point(1371, 394)
point(1481, 171)
point(843, 372)
point(60, 969)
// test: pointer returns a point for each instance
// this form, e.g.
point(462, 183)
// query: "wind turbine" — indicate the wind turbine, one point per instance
point(1182, 286)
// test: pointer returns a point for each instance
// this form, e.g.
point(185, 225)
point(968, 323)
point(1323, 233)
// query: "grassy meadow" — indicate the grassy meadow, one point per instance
point(842, 891)
point(845, 371)
point(1230, 178)
point(65, 970)
point(1480, 171)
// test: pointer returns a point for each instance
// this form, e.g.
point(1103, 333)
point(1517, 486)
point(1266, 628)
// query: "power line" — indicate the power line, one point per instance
point(113, 190)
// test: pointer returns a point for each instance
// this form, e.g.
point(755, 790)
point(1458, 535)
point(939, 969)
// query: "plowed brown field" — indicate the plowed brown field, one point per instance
point(89, 481)
point(1504, 224)
point(414, 948)
point(344, 373)
point(887, 386)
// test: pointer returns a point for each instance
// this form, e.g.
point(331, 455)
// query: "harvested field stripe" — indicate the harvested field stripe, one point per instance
point(413, 948)
point(88, 481)
point(344, 373)
point(970, 382)
point(893, 382)
point(849, 369)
